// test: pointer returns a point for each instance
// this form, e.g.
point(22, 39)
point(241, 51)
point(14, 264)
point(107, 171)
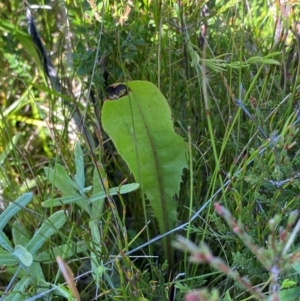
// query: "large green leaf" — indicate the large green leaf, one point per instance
point(140, 126)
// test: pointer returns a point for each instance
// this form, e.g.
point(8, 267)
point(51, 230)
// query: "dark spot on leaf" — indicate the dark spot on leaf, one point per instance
point(116, 91)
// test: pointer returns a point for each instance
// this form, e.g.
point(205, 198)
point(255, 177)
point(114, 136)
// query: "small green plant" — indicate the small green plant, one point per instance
point(22, 259)
point(25, 258)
